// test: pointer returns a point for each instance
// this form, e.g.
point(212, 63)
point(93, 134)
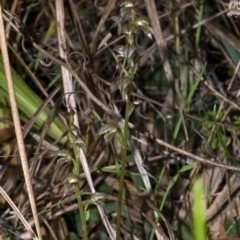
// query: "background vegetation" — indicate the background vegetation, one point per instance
point(130, 117)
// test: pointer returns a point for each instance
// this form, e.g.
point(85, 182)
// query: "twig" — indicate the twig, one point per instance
point(17, 124)
point(18, 213)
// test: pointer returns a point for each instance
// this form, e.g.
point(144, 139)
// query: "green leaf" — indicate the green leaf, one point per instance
point(131, 109)
point(198, 209)
point(187, 167)
point(87, 215)
point(174, 179)
point(29, 102)
point(121, 138)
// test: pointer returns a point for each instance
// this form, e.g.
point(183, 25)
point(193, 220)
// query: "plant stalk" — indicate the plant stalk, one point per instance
point(78, 194)
point(123, 166)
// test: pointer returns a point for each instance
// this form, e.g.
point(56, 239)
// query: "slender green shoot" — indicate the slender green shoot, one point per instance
point(198, 209)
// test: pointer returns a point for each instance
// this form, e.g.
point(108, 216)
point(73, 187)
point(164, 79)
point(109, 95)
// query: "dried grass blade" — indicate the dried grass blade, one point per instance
point(108, 9)
point(17, 124)
point(77, 24)
point(18, 213)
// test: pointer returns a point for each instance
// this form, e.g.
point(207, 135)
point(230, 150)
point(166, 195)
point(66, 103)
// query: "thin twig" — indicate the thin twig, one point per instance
point(17, 124)
point(18, 213)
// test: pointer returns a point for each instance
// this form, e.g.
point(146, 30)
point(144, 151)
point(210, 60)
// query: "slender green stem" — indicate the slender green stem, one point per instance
point(198, 32)
point(81, 211)
point(123, 166)
point(78, 193)
point(124, 140)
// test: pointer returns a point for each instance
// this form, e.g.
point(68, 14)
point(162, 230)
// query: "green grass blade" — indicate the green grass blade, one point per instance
point(198, 209)
point(29, 102)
